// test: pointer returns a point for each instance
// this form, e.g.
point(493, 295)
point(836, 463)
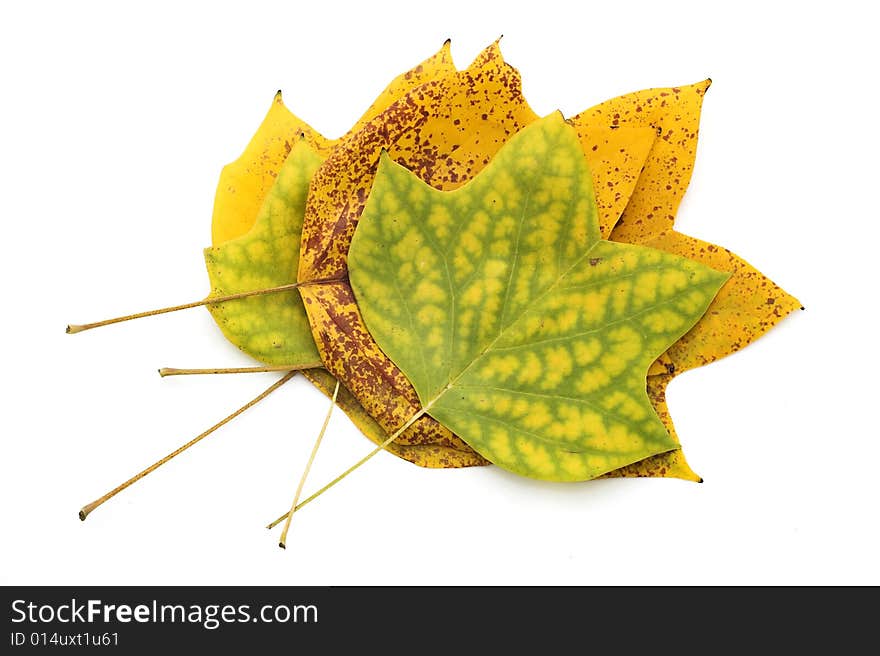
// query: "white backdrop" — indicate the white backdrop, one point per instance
point(115, 124)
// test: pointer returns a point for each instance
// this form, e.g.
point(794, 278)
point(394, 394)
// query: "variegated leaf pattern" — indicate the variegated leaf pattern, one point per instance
point(519, 328)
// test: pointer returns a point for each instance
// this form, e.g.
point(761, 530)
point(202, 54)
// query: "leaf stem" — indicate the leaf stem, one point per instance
point(171, 371)
point(211, 300)
point(394, 436)
point(302, 480)
point(88, 508)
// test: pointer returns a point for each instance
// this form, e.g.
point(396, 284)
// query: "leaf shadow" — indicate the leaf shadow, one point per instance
point(556, 493)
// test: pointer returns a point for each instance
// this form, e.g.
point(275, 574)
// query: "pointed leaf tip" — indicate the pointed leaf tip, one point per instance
point(490, 52)
point(386, 163)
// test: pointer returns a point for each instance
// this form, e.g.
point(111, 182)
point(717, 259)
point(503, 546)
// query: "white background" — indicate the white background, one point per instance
point(115, 124)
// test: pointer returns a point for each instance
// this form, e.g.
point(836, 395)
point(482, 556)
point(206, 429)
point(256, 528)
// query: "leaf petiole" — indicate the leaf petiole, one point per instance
point(171, 371)
point(211, 300)
point(88, 508)
point(283, 540)
point(394, 436)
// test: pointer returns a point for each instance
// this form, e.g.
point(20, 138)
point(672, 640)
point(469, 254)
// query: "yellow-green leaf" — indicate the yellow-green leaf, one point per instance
point(746, 307)
point(671, 464)
point(520, 329)
point(245, 182)
point(445, 132)
point(272, 328)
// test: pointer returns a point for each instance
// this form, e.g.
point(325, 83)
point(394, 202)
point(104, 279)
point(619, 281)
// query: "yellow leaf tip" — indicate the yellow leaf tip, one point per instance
point(492, 53)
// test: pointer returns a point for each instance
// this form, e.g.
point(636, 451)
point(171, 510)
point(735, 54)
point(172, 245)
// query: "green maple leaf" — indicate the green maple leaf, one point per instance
point(520, 329)
point(272, 328)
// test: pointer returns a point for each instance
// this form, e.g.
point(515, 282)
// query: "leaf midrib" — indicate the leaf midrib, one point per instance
point(522, 219)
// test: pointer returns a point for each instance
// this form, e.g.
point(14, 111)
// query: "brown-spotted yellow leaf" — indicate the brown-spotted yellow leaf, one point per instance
point(747, 306)
point(671, 464)
point(272, 328)
point(446, 131)
point(675, 114)
point(520, 329)
point(436, 66)
point(245, 182)
point(616, 157)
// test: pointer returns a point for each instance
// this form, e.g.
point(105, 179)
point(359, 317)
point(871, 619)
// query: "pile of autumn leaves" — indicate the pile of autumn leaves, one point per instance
point(486, 285)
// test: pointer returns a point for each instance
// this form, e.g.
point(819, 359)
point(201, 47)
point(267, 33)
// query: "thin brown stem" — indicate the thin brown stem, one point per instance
point(171, 371)
point(211, 300)
point(302, 480)
point(84, 512)
point(394, 436)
